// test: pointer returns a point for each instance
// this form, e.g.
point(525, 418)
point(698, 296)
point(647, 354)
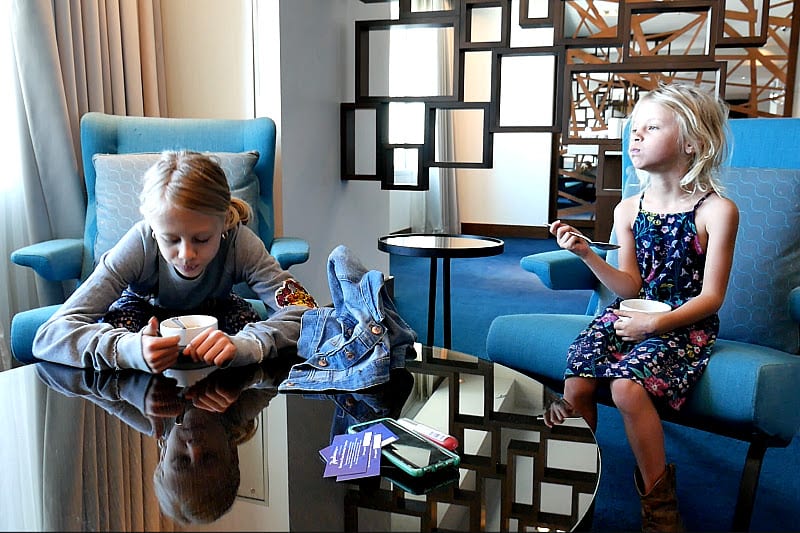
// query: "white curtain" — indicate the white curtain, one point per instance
point(442, 198)
point(107, 483)
point(104, 483)
point(436, 210)
point(69, 57)
point(16, 284)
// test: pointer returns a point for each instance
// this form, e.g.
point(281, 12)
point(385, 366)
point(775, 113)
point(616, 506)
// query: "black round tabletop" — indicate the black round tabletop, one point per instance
point(440, 245)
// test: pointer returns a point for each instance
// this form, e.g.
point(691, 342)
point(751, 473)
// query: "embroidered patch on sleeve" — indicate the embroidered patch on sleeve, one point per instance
point(292, 293)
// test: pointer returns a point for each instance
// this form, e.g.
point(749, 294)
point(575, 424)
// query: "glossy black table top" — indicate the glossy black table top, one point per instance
point(130, 451)
point(440, 245)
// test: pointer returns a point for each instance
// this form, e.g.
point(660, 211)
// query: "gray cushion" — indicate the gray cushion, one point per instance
point(119, 181)
point(766, 263)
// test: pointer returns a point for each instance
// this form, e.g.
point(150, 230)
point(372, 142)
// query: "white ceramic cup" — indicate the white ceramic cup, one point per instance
point(193, 326)
point(644, 306)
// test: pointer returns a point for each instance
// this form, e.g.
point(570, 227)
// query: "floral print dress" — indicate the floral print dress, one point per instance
point(671, 262)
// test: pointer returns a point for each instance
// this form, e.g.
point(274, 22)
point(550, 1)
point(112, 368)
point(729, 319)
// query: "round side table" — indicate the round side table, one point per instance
point(445, 247)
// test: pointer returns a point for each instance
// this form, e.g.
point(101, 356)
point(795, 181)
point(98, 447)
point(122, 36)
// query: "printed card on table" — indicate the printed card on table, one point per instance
point(356, 455)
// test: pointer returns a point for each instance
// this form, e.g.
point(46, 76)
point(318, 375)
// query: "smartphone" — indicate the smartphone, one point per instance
point(411, 453)
point(421, 484)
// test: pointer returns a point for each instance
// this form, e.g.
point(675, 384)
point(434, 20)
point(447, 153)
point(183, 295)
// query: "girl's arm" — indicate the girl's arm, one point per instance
point(122, 395)
point(73, 336)
point(284, 296)
point(624, 281)
point(720, 218)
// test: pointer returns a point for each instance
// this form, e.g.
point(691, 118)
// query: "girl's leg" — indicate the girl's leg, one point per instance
point(655, 481)
point(130, 311)
point(642, 427)
point(234, 313)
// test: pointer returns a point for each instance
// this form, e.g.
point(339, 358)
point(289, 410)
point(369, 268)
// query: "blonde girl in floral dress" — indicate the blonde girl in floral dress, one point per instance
point(677, 238)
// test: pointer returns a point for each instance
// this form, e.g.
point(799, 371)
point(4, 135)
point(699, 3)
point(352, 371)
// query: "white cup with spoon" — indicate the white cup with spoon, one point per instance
point(187, 327)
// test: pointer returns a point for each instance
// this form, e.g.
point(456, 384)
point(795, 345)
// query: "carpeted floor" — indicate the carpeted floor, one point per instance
point(708, 466)
point(481, 289)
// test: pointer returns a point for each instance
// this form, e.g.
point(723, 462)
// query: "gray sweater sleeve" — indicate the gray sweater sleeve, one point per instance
point(73, 336)
point(286, 300)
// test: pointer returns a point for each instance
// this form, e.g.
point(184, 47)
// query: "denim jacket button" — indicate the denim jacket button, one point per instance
point(349, 355)
point(376, 330)
point(322, 362)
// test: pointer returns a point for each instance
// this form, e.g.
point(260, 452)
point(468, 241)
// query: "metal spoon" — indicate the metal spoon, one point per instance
point(178, 321)
point(596, 244)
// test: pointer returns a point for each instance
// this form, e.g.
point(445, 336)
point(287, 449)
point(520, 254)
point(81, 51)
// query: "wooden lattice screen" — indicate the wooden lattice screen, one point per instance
point(603, 54)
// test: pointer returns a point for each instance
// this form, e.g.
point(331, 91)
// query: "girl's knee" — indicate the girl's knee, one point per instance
point(627, 394)
point(580, 389)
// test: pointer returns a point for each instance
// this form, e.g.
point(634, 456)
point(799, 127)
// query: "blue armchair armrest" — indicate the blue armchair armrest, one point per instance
point(560, 270)
point(289, 251)
point(56, 260)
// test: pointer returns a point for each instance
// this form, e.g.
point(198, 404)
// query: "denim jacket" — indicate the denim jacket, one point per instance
point(356, 342)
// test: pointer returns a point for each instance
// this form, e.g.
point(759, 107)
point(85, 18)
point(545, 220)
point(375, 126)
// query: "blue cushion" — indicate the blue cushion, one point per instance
point(119, 182)
point(560, 270)
point(55, 260)
point(766, 263)
point(747, 385)
point(534, 343)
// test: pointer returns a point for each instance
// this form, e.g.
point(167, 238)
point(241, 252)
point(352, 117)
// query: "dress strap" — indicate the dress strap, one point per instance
point(701, 200)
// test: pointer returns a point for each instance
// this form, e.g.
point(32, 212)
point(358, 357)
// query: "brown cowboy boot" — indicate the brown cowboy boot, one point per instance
point(660, 505)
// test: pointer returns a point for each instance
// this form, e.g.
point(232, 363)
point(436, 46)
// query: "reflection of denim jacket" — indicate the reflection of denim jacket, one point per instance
point(354, 344)
point(385, 400)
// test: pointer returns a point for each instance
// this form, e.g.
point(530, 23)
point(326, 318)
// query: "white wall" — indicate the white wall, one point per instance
point(317, 74)
point(516, 190)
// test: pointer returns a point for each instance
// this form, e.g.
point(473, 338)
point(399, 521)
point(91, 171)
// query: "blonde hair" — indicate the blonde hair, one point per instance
point(191, 494)
point(188, 498)
point(194, 181)
point(702, 120)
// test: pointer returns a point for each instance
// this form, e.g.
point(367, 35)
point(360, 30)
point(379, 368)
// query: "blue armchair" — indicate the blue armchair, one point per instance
point(749, 390)
point(115, 152)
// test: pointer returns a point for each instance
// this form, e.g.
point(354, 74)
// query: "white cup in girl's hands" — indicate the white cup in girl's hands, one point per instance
point(187, 327)
point(644, 306)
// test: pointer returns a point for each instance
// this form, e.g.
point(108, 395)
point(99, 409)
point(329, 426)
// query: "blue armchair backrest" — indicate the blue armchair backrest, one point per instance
point(112, 134)
point(762, 176)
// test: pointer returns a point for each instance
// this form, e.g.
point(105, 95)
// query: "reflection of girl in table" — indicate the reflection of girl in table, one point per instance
point(199, 428)
point(197, 477)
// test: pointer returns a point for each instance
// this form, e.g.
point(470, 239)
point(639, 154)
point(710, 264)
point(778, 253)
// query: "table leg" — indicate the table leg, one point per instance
point(432, 299)
point(446, 302)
